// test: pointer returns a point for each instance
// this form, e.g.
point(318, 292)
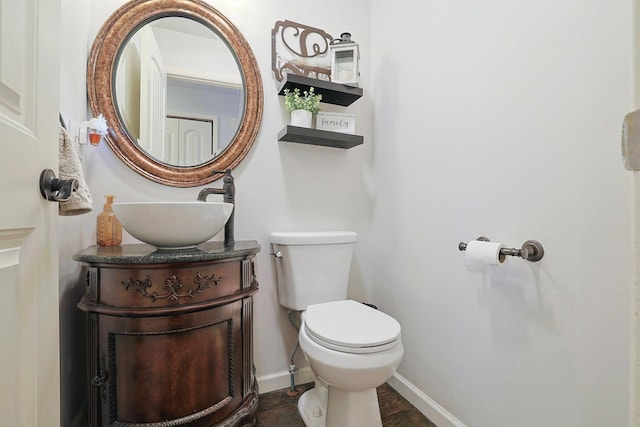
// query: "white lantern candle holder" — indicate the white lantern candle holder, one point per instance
point(345, 58)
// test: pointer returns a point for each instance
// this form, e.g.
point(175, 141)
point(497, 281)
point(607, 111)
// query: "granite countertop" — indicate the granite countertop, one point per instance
point(147, 254)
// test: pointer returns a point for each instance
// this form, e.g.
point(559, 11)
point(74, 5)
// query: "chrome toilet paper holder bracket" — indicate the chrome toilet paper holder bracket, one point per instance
point(531, 250)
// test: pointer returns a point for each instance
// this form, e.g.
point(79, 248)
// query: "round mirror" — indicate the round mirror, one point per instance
point(180, 106)
point(179, 87)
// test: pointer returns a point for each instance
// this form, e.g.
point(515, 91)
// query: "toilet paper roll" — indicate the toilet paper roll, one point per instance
point(479, 255)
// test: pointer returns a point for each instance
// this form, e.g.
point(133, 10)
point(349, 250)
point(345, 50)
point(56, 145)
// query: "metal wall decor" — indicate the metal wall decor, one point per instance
point(300, 49)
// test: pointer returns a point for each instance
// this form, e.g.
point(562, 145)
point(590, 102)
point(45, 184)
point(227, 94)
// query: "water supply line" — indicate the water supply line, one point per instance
point(292, 392)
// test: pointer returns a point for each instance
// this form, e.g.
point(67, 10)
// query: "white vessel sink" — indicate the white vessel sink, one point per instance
point(173, 225)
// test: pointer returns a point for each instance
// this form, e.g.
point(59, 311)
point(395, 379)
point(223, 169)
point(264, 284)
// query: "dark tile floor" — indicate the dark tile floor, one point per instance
point(277, 409)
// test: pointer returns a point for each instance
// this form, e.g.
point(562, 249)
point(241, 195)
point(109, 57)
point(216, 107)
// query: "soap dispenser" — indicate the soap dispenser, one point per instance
point(108, 228)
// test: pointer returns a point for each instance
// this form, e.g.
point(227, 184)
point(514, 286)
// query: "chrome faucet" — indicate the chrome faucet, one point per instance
point(229, 191)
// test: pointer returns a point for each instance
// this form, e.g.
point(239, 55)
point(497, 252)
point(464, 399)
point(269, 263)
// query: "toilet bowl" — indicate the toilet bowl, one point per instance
point(350, 347)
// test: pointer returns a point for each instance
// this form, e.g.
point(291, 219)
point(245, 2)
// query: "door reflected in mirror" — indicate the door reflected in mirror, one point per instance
point(181, 106)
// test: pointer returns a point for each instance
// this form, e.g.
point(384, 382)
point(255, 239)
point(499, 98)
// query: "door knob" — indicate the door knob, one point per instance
point(54, 189)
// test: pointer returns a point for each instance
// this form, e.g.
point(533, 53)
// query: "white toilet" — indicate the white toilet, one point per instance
point(351, 347)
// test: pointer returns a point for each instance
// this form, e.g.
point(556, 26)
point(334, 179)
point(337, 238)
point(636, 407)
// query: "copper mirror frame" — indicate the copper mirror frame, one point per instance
point(101, 70)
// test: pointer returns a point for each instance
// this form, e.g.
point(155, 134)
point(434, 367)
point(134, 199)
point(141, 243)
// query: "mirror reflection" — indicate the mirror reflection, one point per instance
point(182, 140)
point(182, 106)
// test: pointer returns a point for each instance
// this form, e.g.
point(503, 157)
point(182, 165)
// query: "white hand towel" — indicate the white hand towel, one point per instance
point(71, 168)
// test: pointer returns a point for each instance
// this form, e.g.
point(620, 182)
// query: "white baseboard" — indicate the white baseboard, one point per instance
point(436, 413)
point(282, 379)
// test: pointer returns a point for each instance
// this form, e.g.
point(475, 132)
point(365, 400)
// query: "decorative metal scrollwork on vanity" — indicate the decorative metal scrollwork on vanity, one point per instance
point(173, 285)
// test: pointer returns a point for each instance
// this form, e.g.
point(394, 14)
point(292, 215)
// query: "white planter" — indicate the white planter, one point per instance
point(301, 118)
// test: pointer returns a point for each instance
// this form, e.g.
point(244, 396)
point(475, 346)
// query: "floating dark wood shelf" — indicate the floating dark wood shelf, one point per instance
point(319, 137)
point(332, 93)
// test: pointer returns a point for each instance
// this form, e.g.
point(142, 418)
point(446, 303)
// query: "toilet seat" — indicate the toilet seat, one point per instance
point(351, 327)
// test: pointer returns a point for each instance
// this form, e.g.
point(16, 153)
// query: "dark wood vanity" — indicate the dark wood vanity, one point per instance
point(169, 335)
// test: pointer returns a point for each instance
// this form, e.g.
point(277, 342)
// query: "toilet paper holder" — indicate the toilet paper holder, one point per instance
point(531, 250)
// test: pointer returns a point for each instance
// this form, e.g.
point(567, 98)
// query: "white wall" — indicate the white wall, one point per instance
point(491, 118)
point(503, 119)
point(279, 186)
point(72, 231)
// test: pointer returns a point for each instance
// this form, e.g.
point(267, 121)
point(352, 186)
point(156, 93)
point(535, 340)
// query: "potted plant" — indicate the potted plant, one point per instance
point(302, 106)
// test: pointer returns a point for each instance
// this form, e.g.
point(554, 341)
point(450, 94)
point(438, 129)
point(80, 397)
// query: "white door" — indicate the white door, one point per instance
point(190, 141)
point(171, 140)
point(195, 138)
point(29, 357)
point(153, 94)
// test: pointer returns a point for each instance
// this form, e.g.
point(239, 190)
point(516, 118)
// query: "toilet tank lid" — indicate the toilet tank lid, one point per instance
point(312, 237)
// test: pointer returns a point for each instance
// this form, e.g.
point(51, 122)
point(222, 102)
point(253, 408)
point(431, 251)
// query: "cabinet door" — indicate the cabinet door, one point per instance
point(171, 370)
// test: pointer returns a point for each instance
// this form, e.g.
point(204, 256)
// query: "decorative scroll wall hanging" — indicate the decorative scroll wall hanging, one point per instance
point(300, 49)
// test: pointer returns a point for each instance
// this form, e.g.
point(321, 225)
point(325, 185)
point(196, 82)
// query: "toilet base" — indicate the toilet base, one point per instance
point(312, 409)
point(346, 408)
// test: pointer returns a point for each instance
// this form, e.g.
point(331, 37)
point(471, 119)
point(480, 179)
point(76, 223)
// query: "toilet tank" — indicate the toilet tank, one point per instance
point(312, 267)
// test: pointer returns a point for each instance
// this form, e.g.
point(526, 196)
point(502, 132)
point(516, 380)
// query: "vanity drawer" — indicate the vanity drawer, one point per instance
point(166, 286)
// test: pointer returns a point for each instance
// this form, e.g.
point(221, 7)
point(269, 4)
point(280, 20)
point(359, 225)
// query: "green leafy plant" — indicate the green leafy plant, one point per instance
point(308, 100)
